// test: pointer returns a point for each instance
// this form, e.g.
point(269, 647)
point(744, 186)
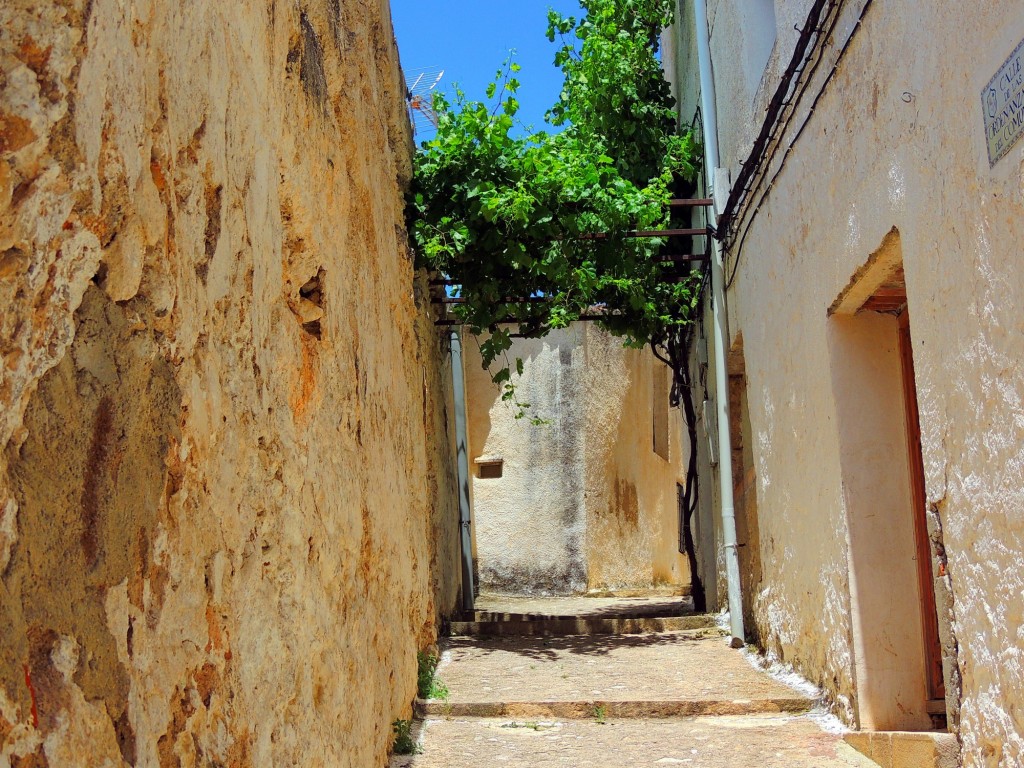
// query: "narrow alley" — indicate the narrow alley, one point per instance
point(696, 325)
point(565, 681)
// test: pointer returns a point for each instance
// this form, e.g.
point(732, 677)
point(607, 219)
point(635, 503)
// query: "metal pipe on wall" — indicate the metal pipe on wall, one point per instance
point(720, 330)
point(462, 464)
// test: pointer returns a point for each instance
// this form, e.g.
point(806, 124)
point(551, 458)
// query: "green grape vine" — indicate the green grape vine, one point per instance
point(532, 228)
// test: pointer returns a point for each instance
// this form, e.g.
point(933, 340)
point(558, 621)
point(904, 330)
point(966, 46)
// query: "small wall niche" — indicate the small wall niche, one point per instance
point(310, 307)
point(489, 467)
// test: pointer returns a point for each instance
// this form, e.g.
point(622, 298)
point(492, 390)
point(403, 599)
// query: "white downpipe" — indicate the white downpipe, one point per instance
point(721, 332)
point(462, 466)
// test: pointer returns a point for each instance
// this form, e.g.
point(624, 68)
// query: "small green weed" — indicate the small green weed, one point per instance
point(438, 690)
point(531, 725)
point(600, 713)
point(426, 666)
point(404, 743)
point(427, 684)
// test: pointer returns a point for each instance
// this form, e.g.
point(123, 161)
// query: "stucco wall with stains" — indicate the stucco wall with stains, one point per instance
point(226, 485)
point(584, 501)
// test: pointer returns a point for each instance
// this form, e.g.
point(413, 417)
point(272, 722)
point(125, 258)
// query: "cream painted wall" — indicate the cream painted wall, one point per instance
point(896, 141)
point(584, 502)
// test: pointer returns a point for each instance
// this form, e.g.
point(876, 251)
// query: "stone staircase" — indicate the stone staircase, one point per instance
point(499, 616)
point(611, 682)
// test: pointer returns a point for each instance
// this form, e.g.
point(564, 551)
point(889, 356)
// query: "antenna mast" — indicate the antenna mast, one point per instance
point(420, 85)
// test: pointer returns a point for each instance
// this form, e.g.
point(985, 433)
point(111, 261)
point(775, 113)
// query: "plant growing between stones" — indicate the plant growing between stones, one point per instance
point(533, 726)
point(600, 713)
point(533, 227)
point(404, 743)
point(428, 686)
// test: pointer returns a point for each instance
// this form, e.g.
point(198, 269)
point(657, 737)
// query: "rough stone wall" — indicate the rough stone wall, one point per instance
point(584, 502)
point(226, 494)
point(897, 141)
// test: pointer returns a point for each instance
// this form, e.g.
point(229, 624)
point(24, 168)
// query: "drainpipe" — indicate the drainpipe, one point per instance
point(721, 332)
point(462, 454)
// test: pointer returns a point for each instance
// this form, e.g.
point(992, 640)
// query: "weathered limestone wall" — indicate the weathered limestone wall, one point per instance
point(584, 502)
point(896, 142)
point(631, 491)
point(226, 520)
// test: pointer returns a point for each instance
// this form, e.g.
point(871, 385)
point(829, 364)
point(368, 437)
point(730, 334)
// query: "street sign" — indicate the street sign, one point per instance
point(1002, 103)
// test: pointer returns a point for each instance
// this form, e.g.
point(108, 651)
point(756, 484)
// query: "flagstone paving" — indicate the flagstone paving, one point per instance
point(656, 699)
point(669, 666)
point(749, 741)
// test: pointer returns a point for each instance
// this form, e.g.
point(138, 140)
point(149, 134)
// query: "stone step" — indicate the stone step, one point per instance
point(525, 626)
point(760, 741)
point(654, 611)
point(641, 592)
point(672, 674)
point(907, 749)
point(612, 709)
point(491, 607)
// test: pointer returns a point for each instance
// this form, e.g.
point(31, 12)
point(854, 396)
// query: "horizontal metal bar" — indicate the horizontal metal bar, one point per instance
point(506, 300)
point(668, 232)
point(448, 322)
point(682, 257)
point(700, 202)
point(699, 231)
point(677, 257)
point(666, 260)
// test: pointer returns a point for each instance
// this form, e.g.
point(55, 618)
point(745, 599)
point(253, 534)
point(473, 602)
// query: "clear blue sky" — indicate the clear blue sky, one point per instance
point(469, 39)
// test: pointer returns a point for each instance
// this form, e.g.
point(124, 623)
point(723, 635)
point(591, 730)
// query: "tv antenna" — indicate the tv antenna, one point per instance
point(420, 85)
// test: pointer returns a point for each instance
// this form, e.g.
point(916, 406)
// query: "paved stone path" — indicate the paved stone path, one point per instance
point(661, 699)
point(668, 666)
point(751, 741)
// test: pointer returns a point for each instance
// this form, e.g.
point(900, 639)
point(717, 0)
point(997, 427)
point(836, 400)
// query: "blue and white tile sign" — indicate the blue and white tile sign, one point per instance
point(1002, 103)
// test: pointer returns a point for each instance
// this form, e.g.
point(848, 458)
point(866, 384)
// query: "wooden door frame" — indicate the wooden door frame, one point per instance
point(926, 581)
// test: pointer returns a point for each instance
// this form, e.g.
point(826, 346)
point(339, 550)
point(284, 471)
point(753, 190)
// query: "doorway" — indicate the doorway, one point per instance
point(898, 656)
point(748, 536)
